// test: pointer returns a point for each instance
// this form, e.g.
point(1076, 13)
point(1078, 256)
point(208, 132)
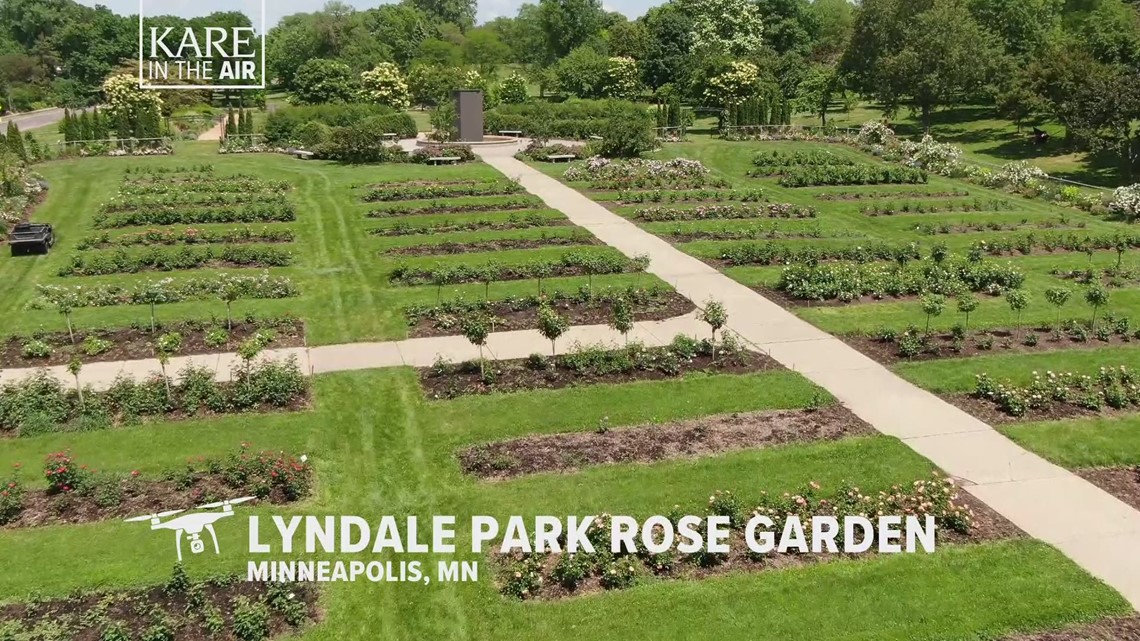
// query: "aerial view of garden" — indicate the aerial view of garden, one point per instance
point(366, 350)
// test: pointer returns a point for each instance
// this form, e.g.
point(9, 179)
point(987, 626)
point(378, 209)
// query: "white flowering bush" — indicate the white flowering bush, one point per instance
point(1126, 202)
point(125, 98)
point(385, 85)
point(732, 27)
point(19, 187)
point(735, 86)
point(599, 168)
point(1116, 387)
point(167, 290)
point(874, 132)
point(622, 78)
point(1017, 175)
point(933, 156)
point(512, 90)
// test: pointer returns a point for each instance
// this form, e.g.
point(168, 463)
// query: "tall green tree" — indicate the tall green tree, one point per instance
point(458, 12)
point(568, 24)
point(1022, 26)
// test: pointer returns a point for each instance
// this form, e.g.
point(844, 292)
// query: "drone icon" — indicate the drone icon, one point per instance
point(193, 524)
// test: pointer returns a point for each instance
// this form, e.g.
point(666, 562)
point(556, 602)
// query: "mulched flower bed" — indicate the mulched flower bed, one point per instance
point(509, 316)
point(133, 343)
point(878, 194)
point(939, 345)
point(1121, 482)
point(182, 609)
point(1113, 629)
point(648, 443)
point(502, 244)
point(437, 207)
point(538, 577)
point(588, 366)
point(483, 224)
point(784, 300)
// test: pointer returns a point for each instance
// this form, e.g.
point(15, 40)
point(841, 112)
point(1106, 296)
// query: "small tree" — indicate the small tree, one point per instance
point(716, 317)
point(543, 269)
point(1096, 297)
point(622, 319)
point(967, 303)
point(166, 346)
point(1120, 244)
point(74, 366)
point(932, 306)
point(153, 293)
point(1018, 300)
point(1058, 296)
point(639, 264)
point(489, 273)
point(440, 276)
point(476, 327)
point(230, 291)
point(64, 301)
point(551, 325)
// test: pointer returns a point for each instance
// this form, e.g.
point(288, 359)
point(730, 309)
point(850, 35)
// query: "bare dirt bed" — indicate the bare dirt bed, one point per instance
point(1121, 482)
point(988, 411)
point(502, 244)
point(517, 375)
point(648, 443)
point(134, 612)
point(1114, 629)
point(667, 305)
point(132, 344)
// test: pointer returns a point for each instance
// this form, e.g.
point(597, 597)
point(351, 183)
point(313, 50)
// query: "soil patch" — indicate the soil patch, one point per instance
point(507, 318)
point(987, 526)
point(1114, 629)
point(1121, 482)
point(999, 341)
point(988, 412)
point(451, 380)
point(503, 244)
point(135, 612)
point(648, 443)
point(138, 343)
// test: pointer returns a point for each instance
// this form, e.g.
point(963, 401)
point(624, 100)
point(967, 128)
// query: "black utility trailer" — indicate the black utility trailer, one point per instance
point(31, 238)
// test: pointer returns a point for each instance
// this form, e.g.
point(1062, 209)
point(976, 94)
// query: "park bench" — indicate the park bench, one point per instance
point(31, 238)
point(595, 137)
point(439, 160)
point(560, 157)
point(510, 132)
point(390, 137)
point(299, 153)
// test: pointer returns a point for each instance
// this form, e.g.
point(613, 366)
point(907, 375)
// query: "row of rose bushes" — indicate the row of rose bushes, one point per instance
point(770, 253)
point(141, 172)
point(513, 221)
point(780, 158)
point(543, 575)
point(850, 175)
point(134, 202)
point(846, 282)
point(542, 151)
point(449, 314)
point(267, 475)
point(122, 261)
point(188, 236)
point(637, 173)
point(884, 194)
point(199, 183)
point(416, 191)
point(1113, 387)
point(690, 195)
point(189, 215)
point(960, 227)
point(40, 404)
point(571, 263)
point(165, 290)
point(919, 207)
point(444, 207)
point(723, 212)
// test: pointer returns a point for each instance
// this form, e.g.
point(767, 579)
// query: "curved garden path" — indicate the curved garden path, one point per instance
point(1096, 530)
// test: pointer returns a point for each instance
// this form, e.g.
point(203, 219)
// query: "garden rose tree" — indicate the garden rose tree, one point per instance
point(385, 85)
point(135, 112)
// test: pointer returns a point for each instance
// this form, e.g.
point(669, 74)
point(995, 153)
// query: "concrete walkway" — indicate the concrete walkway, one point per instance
point(1092, 527)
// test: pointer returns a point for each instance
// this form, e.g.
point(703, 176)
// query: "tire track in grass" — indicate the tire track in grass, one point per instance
point(348, 247)
point(324, 262)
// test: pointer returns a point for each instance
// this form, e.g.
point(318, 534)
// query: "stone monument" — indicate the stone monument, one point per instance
point(469, 110)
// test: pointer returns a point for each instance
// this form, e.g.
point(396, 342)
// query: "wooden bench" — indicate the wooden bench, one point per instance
point(437, 160)
point(560, 157)
point(510, 132)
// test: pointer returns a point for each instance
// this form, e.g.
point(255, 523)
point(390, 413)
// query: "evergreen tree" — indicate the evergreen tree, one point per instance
point(231, 127)
point(85, 130)
point(98, 125)
point(16, 142)
point(674, 111)
point(35, 153)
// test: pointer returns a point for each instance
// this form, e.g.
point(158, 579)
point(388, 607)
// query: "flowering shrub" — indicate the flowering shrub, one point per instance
point(463, 152)
point(1015, 175)
point(684, 195)
point(188, 236)
point(537, 150)
point(512, 90)
point(1126, 202)
point(19, 188)
point(874, 132)
point(12, 496)
point(777, 159)
point(62, 474)
point(849, 281)
point(938, 158)
point(385, 85)
point(1118, 388)
point(166, 290)
point(604, 173)
point(851, 175)
point(401, 191)
point(120, 261)
point(714, 212)
point(570, 263)
point(734, 86)
point(268, 474)
point(622, 78)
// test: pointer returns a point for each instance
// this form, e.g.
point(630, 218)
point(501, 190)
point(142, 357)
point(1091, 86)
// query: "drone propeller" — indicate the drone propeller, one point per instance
point(210, 506)
point(160, 515)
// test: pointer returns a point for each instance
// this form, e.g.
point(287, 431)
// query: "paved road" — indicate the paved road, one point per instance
point(35, 120)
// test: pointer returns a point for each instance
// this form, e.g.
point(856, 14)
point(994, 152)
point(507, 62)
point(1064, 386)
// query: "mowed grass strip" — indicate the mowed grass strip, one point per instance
point(1082, 443)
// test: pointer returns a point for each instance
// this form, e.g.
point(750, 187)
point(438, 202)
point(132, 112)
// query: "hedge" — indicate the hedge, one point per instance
point(284, 126)
point(573, 119)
